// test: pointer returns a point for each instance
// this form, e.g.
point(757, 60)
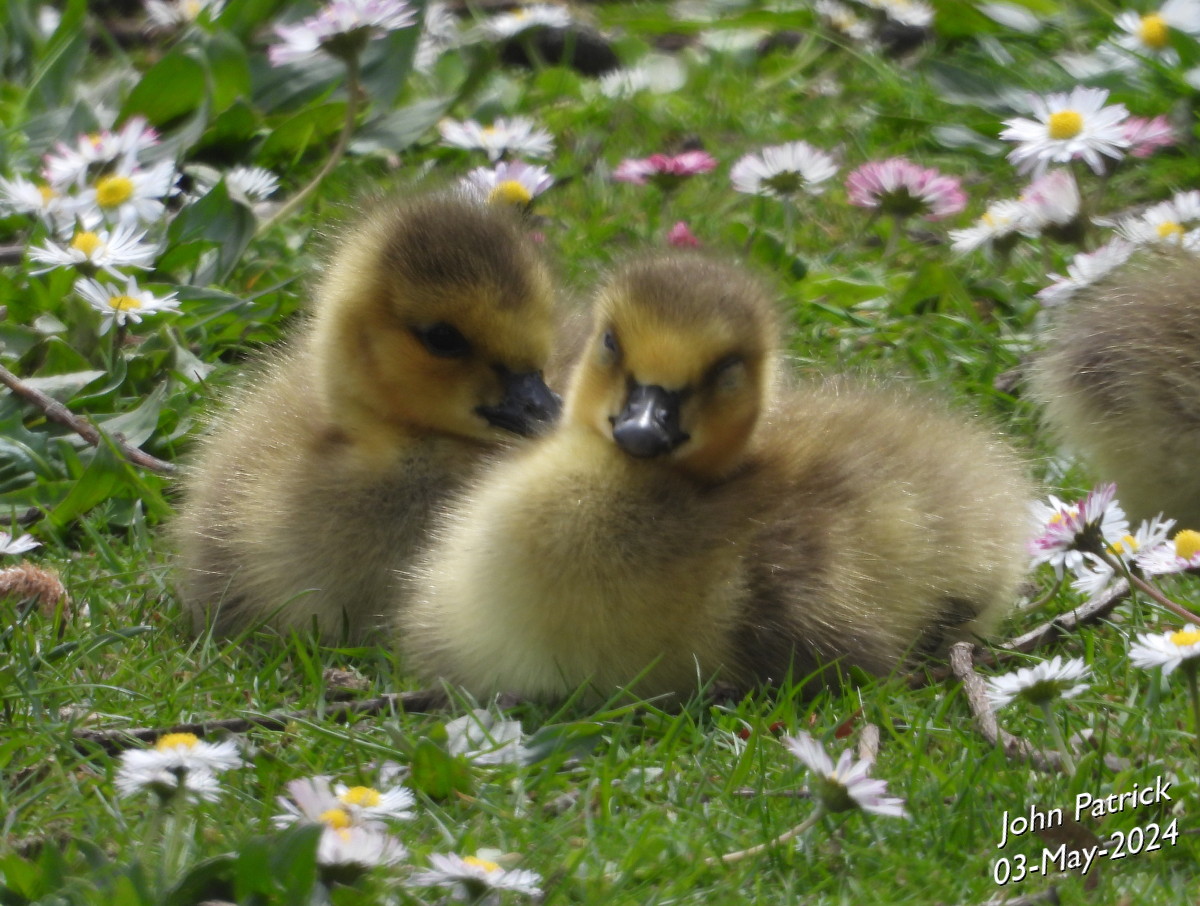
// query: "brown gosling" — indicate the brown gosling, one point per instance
point(688, 520)
point(424, 352)
point(1119, 383)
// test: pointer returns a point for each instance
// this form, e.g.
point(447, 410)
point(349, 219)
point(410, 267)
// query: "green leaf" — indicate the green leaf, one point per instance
point(234, 127)
point(138, 425)
point(217, 220)
point(173, 87)
point(229, 69)
point(65, 386)
point(290, 138)
point(437, 773)
point(399, 129)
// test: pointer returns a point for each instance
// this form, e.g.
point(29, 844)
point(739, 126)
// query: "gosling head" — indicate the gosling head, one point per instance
point(678, 367)
point(438, 316)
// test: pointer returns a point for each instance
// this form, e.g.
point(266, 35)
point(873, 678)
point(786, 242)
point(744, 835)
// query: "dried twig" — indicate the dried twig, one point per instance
point(56, 411)
point(118, 740)
point(1096, 609)
point(963, 664)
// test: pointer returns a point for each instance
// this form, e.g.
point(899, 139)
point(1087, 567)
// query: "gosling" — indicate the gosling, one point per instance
point(424, 353)
point(1119, 383)
point(688, 520)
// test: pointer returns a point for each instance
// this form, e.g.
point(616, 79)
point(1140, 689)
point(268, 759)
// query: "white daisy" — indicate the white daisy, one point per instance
point(341, 28)
point(94, 152)
point(1092, 576)
point(123, 246)
point(846, 785)
point(174, 13)
point(128, 195)
point(1067, 126)
point(13, 545)
point(1180, 553)
point(1165, 223)
point(535, 15)
point(178, 763)
point(1048, 680)
point(1067, 531)
point(22, 196)
point(123, 306)
point(1085, 269)
point(513, 182)
point(351, 845)
point(439, 33)
point(518, 135)
point(369, 804)
point(782, 171)
point(1167, 650)
point(486, 739)
point(1001, 220)
point(656, 73)
point(251, 183)
point(473, 877)
point(1149, 35)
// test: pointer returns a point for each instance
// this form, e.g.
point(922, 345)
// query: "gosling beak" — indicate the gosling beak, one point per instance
point(649, 424)
point(528, 408)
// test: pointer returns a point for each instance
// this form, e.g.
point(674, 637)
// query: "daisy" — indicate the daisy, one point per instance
point(1002, 221)
point(22, 196)
point(681, 236)
point(178, 763)
point(514, 182)
point(1149, 35)
point(846, 785)
point(1165, 223)
point(483, 738)
point(1180, 553)
point(123, 306)
point(473, 877)
point(1097, 573)
point(518, 135)
point(1145, 136)
point(341, 29)
point(536, 15)
point(1048, 680)
point(127, 195)
point(1051, 203)
point(439, 33)
point(252, 183)
point(370, 804)
point(899, 187)
point(174, 13)
point(783, 171)
point(656, 73)
point(666, 171)
point(123, 246)
point(842, 19)
point(1167, 650)
point(1066, 127)
point(1066, 531)
point(1085, 269)
point(12, 545)
point(95, 152)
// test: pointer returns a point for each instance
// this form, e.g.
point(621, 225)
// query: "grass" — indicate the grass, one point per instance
point(626, 801)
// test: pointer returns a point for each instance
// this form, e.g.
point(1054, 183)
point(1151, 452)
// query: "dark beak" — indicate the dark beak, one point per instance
point(649, 424)
point(528, 408)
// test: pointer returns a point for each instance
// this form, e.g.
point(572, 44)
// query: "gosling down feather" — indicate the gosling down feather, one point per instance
point(689, 519)
point(424, 351)
point(1119, 383)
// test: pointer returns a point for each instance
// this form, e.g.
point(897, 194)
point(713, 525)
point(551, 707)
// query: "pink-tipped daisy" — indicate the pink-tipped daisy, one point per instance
point(783, 171)
point(1067, 531)
point(1180, 553)
point(1147, 135)
point(665, 170)
point(899, 187)
point(1051, 202)
point(341, 28)
point(509, 182)
point(680, 236)
point(846, 785)
point(1067, 126)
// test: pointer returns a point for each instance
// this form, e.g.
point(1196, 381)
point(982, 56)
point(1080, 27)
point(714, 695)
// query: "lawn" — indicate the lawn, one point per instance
point(632, 801)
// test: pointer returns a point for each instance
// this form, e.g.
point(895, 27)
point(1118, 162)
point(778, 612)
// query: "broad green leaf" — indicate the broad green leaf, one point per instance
point(290, 138)
point(65, 386)
point(229, 70)
point(138, 425)
point(173, 87)
point(399, 129)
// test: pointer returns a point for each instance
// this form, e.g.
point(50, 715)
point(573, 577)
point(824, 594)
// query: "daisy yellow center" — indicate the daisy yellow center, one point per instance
point(337, 818)
point(510, 191)
point(1187, 543)
point(129, 303)
point(362, 796)
point(113, 191)
point(86, 241)
point(1154, 31)
point(1127, 541)
point(192, 8)
point(1064, 124)
point(476, 862)
point(1169, 229)
point(47, 193)
point(1185, 637)
point(170, 740)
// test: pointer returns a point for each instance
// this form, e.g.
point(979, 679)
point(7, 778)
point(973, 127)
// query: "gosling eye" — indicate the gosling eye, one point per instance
point(443, 340)
point(728, 374)
point(610, 351)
